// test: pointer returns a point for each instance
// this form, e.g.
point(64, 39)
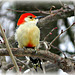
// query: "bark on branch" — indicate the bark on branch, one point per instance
point(62, 63)
point(57, 14)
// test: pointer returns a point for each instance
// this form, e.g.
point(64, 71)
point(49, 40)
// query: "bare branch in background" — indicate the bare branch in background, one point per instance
point(39, 11)
point(50, 33)
point(58, 14)
point(9, 50)
point(59, 35)
point(59, 50)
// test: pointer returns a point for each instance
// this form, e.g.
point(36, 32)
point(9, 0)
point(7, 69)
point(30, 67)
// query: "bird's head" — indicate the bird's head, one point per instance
point(26, 17)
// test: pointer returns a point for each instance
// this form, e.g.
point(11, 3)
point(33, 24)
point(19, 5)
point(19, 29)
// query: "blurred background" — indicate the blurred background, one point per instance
point(8, 20)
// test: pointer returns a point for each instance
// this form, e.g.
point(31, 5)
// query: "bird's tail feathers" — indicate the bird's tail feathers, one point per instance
point(36, 63)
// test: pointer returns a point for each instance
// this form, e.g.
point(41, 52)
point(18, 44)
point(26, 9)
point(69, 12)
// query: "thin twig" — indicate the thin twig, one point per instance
point(64, 5)
point(61, 3)
point(42, 11)
point(72, 55)
point(39, 11)
point(43, 66)
point(59, 35)
point(49, 34)
point(22, 62)
point(51, 9)
point(16, 10)
point(59, 50)
point(9, 50)
point(46, 44)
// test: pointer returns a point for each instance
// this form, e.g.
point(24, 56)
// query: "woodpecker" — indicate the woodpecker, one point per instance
point(28, 34)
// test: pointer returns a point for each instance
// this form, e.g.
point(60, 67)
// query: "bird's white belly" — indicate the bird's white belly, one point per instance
point(28, 36)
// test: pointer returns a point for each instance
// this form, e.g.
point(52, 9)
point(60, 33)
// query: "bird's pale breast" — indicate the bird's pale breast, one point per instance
point(28, 36)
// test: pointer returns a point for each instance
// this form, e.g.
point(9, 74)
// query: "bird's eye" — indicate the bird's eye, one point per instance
point(30, 17)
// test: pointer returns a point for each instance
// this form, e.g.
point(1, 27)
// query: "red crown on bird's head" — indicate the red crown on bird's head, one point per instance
point(23, 16)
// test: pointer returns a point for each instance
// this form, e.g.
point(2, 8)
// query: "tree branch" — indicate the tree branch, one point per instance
point(59, 35)
point(58, 14)
point(62, 63)
point(9, 50)
point(8, 66)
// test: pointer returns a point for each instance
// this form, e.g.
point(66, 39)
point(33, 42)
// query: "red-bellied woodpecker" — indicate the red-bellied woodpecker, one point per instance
point(28, 34)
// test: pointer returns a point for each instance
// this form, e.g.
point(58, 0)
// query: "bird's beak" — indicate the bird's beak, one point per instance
point(39, 17)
